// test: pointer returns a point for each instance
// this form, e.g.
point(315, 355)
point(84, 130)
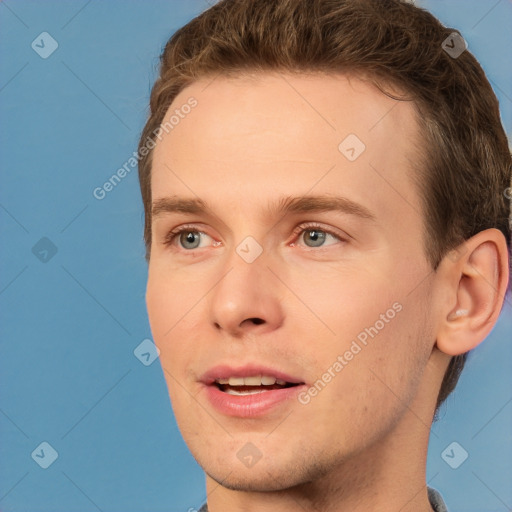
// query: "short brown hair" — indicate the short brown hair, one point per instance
point(466, 164)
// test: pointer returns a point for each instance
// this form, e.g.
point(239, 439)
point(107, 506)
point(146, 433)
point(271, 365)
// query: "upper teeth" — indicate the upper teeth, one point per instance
point(257, 380)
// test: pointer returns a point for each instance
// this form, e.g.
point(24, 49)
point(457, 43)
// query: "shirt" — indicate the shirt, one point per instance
point(436, 502)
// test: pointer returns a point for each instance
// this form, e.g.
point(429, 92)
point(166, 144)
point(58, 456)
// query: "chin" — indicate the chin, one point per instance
point(248, 484)
point(267, 474)
point(253, 481)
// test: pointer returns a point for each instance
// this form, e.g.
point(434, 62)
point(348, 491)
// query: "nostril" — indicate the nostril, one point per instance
point(257, 321)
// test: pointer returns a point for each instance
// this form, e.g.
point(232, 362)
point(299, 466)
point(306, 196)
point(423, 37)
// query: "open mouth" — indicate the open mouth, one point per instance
point(251, 385)
point(250, 391)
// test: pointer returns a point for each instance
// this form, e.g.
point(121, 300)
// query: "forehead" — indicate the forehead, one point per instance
point(293, 132)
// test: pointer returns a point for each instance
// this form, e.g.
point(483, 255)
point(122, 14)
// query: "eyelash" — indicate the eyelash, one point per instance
point(308, 226)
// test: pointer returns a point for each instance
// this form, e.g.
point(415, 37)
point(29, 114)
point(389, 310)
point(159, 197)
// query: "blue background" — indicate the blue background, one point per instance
point(70, 325)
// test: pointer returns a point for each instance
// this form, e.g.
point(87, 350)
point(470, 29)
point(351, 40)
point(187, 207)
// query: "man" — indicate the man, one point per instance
point(327, 235)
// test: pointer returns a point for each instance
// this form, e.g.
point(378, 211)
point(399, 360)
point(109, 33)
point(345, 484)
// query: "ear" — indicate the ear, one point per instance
point(475, 276)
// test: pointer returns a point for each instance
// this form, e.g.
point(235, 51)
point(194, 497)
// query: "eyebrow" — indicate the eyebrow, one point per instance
point(285, 205)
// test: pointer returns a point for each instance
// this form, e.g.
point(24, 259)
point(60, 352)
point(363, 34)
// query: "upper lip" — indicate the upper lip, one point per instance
point(225, 371)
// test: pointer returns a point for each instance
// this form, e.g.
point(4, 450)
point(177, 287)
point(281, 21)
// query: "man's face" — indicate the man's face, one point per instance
point(297, 290)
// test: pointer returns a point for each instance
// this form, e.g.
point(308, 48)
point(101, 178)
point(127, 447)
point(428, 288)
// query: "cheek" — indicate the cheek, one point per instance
point(380, 333)
point(172, 308)
point(160, 302)
point(341, 304)
point(168, 299)
point(390, 365)
point(375, 389)
point(174, 323)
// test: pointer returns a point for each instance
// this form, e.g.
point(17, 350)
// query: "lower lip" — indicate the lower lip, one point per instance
point(250, 406)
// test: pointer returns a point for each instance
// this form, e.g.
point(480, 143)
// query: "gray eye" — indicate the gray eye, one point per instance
point(189, 237)
point(315, 236)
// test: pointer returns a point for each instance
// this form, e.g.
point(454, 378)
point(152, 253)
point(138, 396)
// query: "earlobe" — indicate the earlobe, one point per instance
point(476, 287)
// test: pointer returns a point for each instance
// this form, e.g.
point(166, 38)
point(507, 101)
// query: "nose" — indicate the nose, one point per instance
point(247, 298)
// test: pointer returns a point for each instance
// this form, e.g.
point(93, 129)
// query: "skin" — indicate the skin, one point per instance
point(361, 443)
